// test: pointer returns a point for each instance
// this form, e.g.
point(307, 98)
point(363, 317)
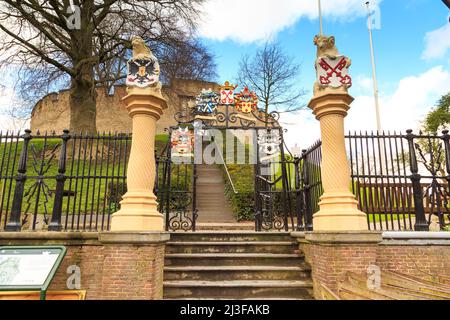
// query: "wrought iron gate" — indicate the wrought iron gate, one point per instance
point(275, 184)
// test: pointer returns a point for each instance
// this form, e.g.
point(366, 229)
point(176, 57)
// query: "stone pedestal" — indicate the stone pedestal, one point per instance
point(338, 206)
point(139, 207)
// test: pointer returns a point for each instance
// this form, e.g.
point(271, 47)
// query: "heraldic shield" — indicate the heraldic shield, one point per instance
point(142, 73)
point(333, 72)
point(207, 101)
point(246, 101)
point(227, 93)
point(182, 143)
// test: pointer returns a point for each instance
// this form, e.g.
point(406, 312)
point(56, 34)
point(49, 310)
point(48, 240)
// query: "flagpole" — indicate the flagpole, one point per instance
point(374, 71)
point(320, 17)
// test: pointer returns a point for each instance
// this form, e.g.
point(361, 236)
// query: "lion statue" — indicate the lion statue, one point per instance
point(142, 52)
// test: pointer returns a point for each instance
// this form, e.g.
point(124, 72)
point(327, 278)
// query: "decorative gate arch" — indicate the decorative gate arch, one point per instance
point(211, 114)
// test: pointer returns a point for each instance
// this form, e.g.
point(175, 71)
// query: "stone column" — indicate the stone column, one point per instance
point(330, 104)
point(145, 104)
point(139, 207)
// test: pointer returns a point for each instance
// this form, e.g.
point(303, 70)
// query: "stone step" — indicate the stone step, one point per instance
point(204, 182)
point(231, 247)
point(230, 235)
point(212, 226)
point(213, 198)
point(234, 259)
point(239, 289)
point(217, 273)
point(250, 298)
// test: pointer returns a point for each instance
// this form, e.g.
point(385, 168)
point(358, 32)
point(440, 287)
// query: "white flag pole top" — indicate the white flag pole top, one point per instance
point(374, 70)
point(320, 17)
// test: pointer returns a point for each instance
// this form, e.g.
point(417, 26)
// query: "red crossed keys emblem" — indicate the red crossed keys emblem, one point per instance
point(226, 96)
point(227, 93)
point(340, 70)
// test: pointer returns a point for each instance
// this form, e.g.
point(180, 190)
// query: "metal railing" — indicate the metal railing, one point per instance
point(75, 182)
point(401, 180)
point(308, 185)
point(226, 167)
point(61, 182)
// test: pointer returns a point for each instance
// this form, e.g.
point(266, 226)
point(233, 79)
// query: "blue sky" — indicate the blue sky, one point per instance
point(412, 49)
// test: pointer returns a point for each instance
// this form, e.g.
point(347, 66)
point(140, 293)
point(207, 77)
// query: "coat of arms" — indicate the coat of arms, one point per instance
point(269, 142)
point(333, 71)
point(143, 67)
point(182, 141)
point(207, 101)
point(246, 101)
point(142, 73)
point(227, 93)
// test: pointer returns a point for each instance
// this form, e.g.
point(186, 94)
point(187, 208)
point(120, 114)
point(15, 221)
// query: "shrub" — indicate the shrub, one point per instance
point(115, 192)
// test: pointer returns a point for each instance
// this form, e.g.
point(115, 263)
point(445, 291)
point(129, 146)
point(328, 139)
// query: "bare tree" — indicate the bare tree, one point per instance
point(83, 43)
point(187, 60)
point(273, 75)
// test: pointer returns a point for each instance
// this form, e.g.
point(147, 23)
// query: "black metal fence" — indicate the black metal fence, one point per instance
point(61, 182)
point(308, 185)
point(75, 182)
point(401, 180)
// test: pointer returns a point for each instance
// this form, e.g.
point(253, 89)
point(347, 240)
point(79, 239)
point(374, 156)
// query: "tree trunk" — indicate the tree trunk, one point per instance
point(82, 103)
point(82, 100)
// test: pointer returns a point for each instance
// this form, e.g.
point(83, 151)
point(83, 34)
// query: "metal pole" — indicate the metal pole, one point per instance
point(374, 71)
point(320, 17)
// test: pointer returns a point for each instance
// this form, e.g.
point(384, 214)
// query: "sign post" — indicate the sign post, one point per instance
point(29, 268)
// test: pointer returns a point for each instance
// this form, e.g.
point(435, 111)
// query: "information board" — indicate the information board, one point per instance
point(29, 268)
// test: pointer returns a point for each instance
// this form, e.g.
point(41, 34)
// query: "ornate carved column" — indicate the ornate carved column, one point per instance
point(145, 105)
point(330, 104)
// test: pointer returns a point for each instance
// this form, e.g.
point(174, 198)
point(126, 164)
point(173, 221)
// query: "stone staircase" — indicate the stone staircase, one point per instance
point(212, 205)
point(235, 265)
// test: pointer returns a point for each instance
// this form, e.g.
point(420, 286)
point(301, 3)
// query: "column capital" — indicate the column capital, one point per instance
point(334, 102)
point(148, 101)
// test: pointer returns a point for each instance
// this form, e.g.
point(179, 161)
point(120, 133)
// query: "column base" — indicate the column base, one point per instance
point(138, 213)
point(339, 212)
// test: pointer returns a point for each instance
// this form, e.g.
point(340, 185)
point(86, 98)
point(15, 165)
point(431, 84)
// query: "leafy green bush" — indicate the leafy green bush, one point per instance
point(115, 192)
point(242, 202)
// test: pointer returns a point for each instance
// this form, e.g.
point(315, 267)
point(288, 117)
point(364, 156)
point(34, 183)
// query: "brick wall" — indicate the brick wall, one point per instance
point(108, 270)
point(330, 260)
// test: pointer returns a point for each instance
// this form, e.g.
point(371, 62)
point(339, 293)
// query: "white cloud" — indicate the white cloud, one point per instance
point(404, 109)
point(364, 82)
point(254, 20)
point(437, 42)
point(7, 101)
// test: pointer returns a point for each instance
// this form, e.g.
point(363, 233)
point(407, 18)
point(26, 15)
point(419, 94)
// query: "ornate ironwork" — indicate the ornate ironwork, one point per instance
point(38, 193)
point(179, 215)
point(226, 109)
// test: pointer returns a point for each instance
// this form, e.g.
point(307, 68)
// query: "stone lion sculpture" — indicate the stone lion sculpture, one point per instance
point(141, 51)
